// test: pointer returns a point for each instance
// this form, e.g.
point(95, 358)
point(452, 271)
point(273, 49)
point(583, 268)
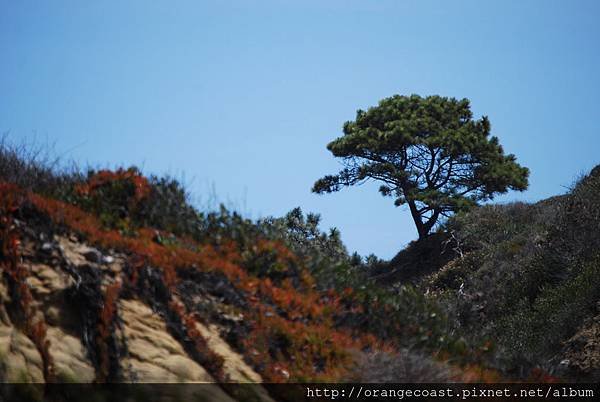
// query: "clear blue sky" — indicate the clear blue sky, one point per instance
point(246, 94)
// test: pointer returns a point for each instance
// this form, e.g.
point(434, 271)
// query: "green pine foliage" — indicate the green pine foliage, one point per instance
point(428, 153)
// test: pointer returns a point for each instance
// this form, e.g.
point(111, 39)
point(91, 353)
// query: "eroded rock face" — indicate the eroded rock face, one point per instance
point(235, 367)
point(70, 357)
point(21, 361)
point(148, 351)
point(154, 355)
point(45, 280)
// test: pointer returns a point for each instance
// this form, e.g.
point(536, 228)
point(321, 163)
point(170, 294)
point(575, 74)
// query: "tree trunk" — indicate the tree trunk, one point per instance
point(432, 221)
point(422, 230)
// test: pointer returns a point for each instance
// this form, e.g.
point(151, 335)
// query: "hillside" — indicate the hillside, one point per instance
point(529, 278)
point(110, 276)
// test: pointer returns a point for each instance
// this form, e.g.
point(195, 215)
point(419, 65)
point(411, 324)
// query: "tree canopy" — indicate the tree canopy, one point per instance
point(428, 153)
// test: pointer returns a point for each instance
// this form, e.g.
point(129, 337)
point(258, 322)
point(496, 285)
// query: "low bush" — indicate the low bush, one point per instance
point(534, 333)
point(529, 274)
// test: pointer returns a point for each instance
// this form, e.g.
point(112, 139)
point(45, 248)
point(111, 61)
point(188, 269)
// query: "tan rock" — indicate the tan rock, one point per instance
point(234, 366)
point(70, 358)
point(51, 279)
point(19, 358)
point(154, 355)
point(73, 251)
point(76, 252)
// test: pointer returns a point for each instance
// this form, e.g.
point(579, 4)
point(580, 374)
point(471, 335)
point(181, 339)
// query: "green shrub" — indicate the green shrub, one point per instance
point(529, 274)
point(168, 207)
point(534, 333)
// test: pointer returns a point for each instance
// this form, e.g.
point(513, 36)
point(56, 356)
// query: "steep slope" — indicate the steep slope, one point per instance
point(63, 319)
point(83, 301)
point(528, 278)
